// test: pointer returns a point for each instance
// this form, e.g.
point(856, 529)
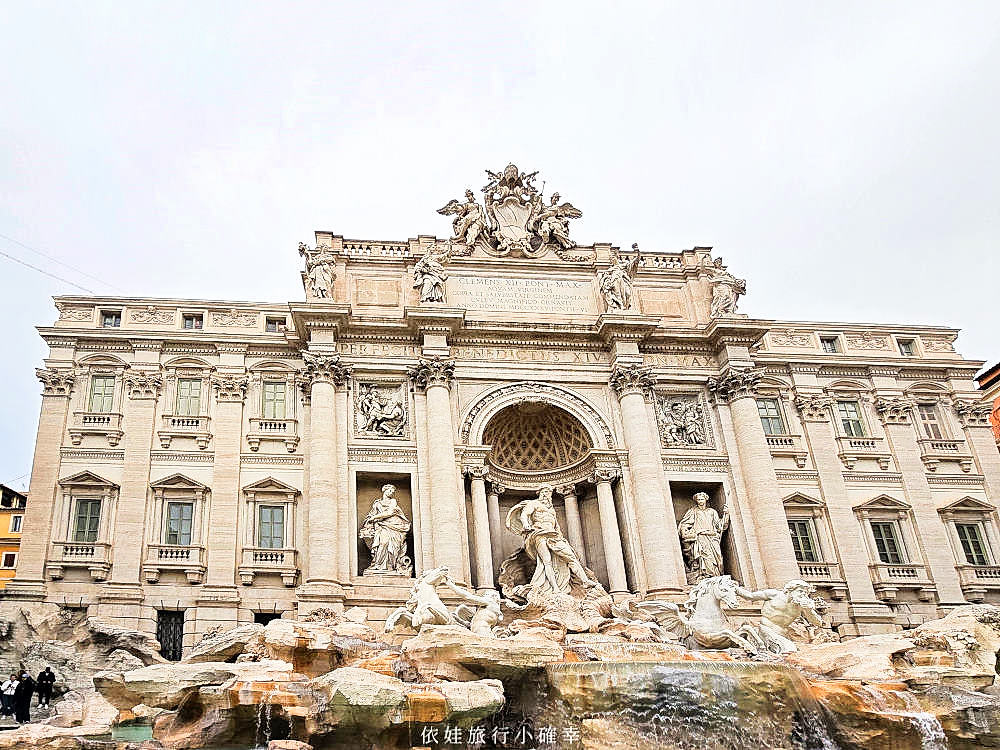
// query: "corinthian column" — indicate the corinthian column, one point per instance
point(738, 389)
point(323, 373)
point(574, 527)
point(975, 419)
point(610, 534)
point(481, 528)
point(496, 524)
point(434, 376)
point(57, 385)
point(654, 509)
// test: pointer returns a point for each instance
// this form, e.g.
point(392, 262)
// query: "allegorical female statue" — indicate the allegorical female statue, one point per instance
point(429, 277)
point(701, 538)
point(555, 561)
point(616, 282)
point(384, 532)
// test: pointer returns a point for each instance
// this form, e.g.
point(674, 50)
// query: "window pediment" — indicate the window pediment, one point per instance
point(798, 499)
point(884, 502)
point(178, 482)
point(87, 479)
point(969, 505)
point(270, 484)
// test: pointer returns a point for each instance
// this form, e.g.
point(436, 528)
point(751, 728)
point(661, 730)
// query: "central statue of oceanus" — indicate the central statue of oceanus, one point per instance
point(514, 218)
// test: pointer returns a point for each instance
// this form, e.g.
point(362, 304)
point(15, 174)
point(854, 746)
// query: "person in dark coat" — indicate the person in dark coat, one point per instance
point(22, 698)
point(46, 679)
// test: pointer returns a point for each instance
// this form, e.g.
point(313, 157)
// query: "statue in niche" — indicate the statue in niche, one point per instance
point(616, 281)
point(555, 561)
point(384, 532)
point(681, 422)
point(726, 289)
point(429, 277)
point(319, 275)
point(381, 413)
point(701, 531)
point(469, 223)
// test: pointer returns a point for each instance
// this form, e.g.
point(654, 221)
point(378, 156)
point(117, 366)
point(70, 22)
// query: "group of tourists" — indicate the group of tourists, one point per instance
point(16, 692)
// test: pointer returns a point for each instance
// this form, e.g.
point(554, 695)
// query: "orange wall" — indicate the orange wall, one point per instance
point(10, 541)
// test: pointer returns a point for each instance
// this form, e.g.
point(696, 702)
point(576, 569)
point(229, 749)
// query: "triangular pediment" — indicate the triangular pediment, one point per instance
point(178, 482)
point(799, 499)
point(86, 479)
point(883, 502)
point(270, 484)
point(970, 504)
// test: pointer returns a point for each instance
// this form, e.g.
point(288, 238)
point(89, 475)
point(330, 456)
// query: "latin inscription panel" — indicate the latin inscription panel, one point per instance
point(530, 295)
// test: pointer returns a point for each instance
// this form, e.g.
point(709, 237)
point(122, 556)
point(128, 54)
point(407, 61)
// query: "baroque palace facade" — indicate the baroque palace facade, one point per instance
point(201, 463)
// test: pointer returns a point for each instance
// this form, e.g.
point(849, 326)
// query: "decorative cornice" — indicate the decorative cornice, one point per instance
point(324, 368)
point(813, 407)
point(55, 382)
point(148, 345)
point(893, 410)
point(142, 385)
point(973, 413)
point(628, 379)
point(735, 384)
point(230, 388)
point(432, 371)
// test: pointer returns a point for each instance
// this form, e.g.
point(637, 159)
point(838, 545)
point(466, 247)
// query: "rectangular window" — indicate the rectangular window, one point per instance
point(188, 397)
point(830, 344)
point(88, 520)
point(193, 321)
point(770, 416)
point(803, 541)
point(929, 419)
point(111, 318)
point(15, 523)
point(850, 418)
point(907, 347)
point(274, 325)
point(102, 393)
point(973, 545)
point(9, 560)
point(887, 542)
point(271, 527)
point(179, 517)
point(274, 400)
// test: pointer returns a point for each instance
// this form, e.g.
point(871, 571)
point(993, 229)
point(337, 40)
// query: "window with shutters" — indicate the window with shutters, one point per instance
point(849, 413)
point(271, 526)
point(770, 416)
point(188, 397)
point(274, 399)
point(102, 393)
point(179, 523)
point(973, 541)
point(87, 521)
point(887, 542)
point(803, 540)
point(929, 420)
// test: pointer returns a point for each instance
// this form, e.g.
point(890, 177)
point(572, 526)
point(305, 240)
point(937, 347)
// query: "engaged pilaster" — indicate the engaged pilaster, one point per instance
point(974, 417)
point(654, 509)
point(433, 375)
point(738, 389)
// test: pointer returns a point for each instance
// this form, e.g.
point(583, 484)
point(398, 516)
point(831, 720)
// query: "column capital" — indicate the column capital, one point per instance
point(631, 378)
point(813, 407)
point(324, 368)
point(735, 384)
point(432, 371)
point(566, 489)
point(230, 388)
point(476, 472)
point(142, 385)
point(606, 474)
point(973, 413)
point(55, 382)
point(894, 410)
point(496, 488)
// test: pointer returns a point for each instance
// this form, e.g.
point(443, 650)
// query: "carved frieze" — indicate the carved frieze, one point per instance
point(628, 379)
point(230, 388)
point(142, 385)
point(681, 420)
point(151, 314)
point(735, 384)
point(380, 410)
point(893, 410)
point(606, 474)
point(813, 407)
point(55, 382)
point(938, 344)
point(791, 338)
point(432, 371)
point(867, 340)
point(74, 313)
point(236, 319)
point(973, 413)
point(324, 368)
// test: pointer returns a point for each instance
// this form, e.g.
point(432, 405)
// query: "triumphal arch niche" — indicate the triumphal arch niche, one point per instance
point(201, 462)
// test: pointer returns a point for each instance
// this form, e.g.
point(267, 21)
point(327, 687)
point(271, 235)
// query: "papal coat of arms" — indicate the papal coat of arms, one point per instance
point(514, 218)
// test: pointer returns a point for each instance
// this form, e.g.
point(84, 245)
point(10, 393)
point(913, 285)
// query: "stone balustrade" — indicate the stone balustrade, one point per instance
point(977, 580)
point(281, 430)
point(188, 559)
point(174, 425)
point(94, 556)
point(854, 449)
point(889, 578)
point(106, 424)
point(262, 560)
point(789, 446)
point(934, 450)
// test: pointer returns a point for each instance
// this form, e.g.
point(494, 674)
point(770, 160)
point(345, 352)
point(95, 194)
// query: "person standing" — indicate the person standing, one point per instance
point(7, 694)
point(46, 679)
point(22, 698)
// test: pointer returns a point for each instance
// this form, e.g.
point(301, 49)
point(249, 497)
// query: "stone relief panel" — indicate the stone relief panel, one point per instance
point(79, 314)
point(380, 410)
point(152, 314)
point(377, 292)
point(867, 340)
point(682, 420)
point(235, 319)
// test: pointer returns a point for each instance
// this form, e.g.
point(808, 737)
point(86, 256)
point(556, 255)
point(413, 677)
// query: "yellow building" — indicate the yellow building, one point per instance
point(12, 505)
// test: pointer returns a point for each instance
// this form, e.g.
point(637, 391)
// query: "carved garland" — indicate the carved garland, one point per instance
point(152, 315)
point(235, 318)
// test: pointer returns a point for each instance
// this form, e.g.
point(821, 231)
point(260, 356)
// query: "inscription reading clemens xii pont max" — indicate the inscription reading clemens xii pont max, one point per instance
point(514, 294)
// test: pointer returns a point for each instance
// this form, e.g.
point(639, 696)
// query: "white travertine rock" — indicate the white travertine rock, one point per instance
point(871, 657)
point(224, 645)
point(437, 644)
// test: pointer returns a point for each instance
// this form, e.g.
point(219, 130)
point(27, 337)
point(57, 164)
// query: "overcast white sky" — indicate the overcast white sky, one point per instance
point(841, 156)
